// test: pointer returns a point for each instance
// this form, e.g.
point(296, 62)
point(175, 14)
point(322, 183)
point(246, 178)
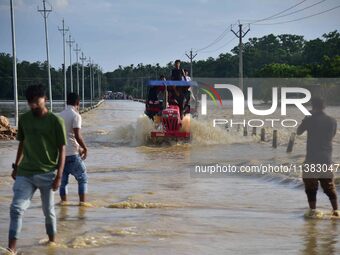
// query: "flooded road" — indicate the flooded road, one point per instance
point(147, 202)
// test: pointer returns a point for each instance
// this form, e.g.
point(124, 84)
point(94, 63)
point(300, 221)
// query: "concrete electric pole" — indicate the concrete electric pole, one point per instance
point(64, 30)
point(77, 50)
point(14, 55)
point(191, 56)
point(82, 58)
point(98, 85)
point(45, 12)
point(91, 94)
point(240, 34)
point(70, 42)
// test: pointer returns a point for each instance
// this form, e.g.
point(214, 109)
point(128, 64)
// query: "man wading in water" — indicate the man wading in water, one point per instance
point(321, 130)
point(42, 139)
point(74, 164)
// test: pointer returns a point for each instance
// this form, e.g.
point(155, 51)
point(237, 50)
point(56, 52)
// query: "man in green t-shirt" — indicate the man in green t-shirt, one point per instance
point(41, 151)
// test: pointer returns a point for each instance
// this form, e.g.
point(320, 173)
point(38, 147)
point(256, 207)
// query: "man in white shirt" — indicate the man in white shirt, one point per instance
point(187, 75)
point(76, 150)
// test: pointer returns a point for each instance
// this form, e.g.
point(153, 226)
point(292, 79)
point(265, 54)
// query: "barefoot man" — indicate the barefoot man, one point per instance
point(74, 164)
point(321, 130)
point(42, 139)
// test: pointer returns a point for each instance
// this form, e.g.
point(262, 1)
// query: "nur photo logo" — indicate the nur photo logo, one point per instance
point(281, 97)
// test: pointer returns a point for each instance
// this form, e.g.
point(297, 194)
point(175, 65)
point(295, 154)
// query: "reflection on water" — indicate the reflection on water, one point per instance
point(320, 237)
point(64, 214)
point(146, 202)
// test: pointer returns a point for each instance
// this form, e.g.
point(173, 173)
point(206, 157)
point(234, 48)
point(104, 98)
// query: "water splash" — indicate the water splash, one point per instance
point(203, 133)
point(136, 134)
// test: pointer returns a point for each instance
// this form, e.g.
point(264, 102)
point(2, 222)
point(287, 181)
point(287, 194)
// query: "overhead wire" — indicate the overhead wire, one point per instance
point(281, 12)
point(221, 47)
point(218, 39)
point(298, 19)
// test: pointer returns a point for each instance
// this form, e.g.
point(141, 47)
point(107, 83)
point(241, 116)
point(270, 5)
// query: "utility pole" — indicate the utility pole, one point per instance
point(142, 83)
point(92, 78)
point(93, 86)
point(82, 58)
point(137, 89)
point(191, 57)
point(64, 30)
point(100, 83)
point(77, 50)
point(90, 61)
point(100, 86)
point(240, 34)
point(45, 12)
point(70, 42)
point(98, 73)
point(14, 55)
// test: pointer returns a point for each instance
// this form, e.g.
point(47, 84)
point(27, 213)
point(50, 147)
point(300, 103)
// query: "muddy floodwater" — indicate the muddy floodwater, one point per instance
point(147, 201)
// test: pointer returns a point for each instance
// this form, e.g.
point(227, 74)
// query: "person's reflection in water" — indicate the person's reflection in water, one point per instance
point(64, 214)
point(82, 213)
point(320, 237)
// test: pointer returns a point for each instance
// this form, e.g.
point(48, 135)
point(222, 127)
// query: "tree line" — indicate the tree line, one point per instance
point(36, 72)
point(280, 56)
point(285, 55)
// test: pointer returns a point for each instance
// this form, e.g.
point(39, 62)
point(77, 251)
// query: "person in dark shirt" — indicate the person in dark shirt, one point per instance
point(177, 73)
point(321, 130)
point(39, 164)
point(176, 95)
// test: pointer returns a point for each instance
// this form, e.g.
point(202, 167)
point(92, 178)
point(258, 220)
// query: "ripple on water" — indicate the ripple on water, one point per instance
point(138, 205)
point(110, 236)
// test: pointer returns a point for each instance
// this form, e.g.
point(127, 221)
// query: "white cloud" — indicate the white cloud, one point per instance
point(29, 4)
point(5, 4)
point(60, 4)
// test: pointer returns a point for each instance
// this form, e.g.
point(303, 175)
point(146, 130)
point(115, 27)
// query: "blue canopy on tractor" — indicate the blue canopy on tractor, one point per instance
point(172, 83)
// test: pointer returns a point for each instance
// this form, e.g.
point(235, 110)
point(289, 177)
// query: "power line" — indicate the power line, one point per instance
point(295, 5)
point(306, 17)
point(219, 38)
point(231, 40)
point(294, 12)
point(300, 10)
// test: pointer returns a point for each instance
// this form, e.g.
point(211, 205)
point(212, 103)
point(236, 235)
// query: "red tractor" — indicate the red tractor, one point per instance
point(167, 105)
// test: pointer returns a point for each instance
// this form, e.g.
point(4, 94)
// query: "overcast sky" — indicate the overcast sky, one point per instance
point(123, 32)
